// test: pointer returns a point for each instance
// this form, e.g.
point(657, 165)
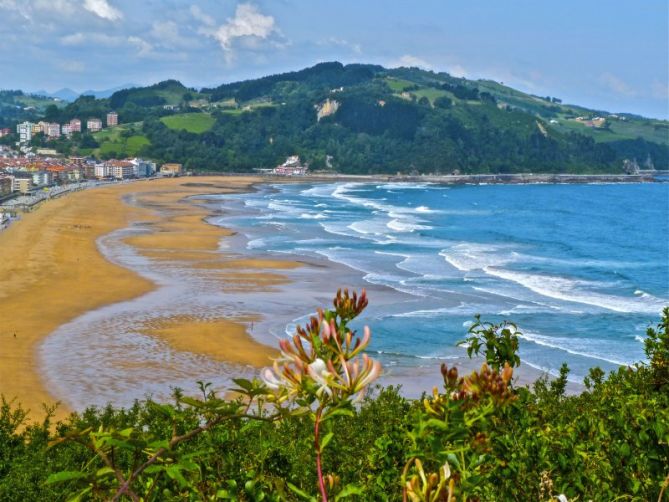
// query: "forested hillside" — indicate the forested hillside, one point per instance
point(367, 119)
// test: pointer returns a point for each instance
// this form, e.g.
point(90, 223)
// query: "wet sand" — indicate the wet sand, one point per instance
point(52, 271)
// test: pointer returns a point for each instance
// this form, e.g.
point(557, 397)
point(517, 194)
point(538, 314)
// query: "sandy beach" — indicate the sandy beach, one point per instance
point(52, 271)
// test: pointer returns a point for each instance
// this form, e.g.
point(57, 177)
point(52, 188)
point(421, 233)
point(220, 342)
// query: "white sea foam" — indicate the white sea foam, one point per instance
point(312, 216)
point(468, 256)
point(404, 226)
point(404, 186)
point(424, 209)
point(574, 290)
point(590, 348)
point(256, 243)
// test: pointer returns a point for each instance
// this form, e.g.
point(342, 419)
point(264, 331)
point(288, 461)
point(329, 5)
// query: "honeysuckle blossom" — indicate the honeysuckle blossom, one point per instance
point(326, 355)
point(318, 371)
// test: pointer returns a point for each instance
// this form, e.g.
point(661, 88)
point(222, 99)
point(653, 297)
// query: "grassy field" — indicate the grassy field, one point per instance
point(398, 84)
point(618, 130)
point(127, 147)
point(431, 94)
point(191, 122)
point(117, 141)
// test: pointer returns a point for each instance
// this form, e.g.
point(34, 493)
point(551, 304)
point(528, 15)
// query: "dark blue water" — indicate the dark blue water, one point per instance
point(582, 269)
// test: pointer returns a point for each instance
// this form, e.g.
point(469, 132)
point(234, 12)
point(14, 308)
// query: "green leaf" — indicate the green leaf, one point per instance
point(347, 491)
point(299, 492)
point(174, 472)
point(105, 471)
point(326, 439)
point(195, 403)
point(62, 476)
point(243, 383)
point(344, 412)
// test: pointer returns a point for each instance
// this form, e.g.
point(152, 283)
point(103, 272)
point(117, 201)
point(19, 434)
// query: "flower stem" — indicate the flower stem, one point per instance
point(317, 445)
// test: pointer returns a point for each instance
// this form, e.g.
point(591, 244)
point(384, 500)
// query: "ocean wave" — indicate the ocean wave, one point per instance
point(312, 216)
point(404, 186)
point(575, 346)
point(468, 256)
point(404, 226)
point(571, 290)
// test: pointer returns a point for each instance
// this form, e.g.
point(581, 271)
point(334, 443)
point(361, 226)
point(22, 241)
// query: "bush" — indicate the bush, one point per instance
point(314, 428)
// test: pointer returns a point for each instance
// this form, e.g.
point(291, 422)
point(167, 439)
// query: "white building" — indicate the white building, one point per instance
point(52, 130)
point(25, 131)
point(94, 125)
point(121, 169)
point(102, 170)
point(143, 168)
point(291, 167)
point(112, 119)
point(66, 129)
point(75, 125)
point(42, 178)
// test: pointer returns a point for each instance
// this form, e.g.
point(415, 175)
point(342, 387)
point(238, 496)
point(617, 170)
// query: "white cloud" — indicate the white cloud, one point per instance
point(204, 18)
point(616, 84)
point(659, 90)
point(167, 34)
point(103, 9)
point(342, 43)
point(144, 48)
point(457, 71)
point(103, 39)
point(29, 10)
point(248, 25)
point(72, 66)
point(411, 61)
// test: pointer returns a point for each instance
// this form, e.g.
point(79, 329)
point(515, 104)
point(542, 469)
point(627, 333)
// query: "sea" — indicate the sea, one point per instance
point(581, 269)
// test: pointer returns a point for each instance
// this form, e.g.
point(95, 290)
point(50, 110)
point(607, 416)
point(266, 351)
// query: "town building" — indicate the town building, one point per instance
point(5, 185)
point(121, 169)
point(291, 167)
point(75, 125)
point(25, 131)
point(66, 129)
point(22, 182)
point(102, 170)
point(94, 125)
point(171, 169)
point(112, 119)
point(52, 130)
point(47, 151)
point(143, 168)
point(42, 178)
point(5, 132)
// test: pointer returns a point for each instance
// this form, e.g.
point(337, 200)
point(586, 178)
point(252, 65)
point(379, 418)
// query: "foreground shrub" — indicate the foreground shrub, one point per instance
point(314, 429)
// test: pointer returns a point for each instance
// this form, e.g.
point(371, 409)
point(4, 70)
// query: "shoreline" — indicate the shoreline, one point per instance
point(53, 272)
point(166, 221)
point(320, 269)
point(461, 179)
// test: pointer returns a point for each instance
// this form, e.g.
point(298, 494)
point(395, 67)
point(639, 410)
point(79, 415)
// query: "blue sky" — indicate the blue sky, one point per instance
point(611, 55)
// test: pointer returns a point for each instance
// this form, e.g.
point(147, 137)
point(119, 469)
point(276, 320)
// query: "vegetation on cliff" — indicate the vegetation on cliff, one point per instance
point(363, 119)
point(314, 429)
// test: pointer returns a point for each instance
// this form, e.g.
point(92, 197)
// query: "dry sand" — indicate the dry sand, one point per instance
point(51, 272)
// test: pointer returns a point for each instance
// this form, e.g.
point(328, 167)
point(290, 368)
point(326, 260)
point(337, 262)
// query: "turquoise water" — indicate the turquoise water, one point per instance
point(582, 269)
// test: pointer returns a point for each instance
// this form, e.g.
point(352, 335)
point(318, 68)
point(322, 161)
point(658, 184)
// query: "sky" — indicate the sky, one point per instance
point(609, 55)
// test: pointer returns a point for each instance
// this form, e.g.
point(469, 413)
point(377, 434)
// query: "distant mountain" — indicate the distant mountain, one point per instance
point(362, 118)
point(105, 93)
point(67, 94)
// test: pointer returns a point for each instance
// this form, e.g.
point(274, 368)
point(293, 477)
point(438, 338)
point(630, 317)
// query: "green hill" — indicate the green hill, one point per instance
point(369, 119)
point(16, 106)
